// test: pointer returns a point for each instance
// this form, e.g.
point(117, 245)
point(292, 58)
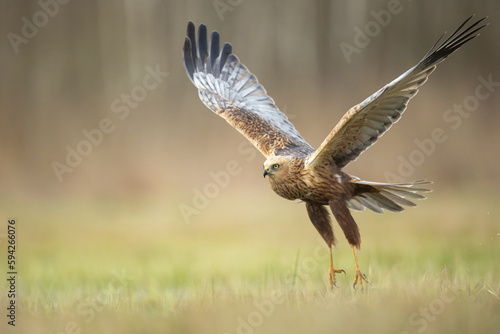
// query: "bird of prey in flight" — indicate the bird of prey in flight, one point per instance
point(295, 170)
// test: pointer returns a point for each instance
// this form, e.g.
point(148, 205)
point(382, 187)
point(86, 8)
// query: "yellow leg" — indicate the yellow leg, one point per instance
point(360, 277)
point(333, 271)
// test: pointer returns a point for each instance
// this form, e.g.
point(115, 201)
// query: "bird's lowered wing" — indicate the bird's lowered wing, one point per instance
point(364, 123)
point(228, 88)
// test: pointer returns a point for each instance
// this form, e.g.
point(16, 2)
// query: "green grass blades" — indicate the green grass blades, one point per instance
point(129, 266)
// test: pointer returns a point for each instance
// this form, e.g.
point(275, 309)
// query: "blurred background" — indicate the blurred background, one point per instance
point(68, 67)
point(110, 163)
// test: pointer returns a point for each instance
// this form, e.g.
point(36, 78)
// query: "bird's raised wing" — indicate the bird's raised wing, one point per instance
point(364, 123)
point(228, 88)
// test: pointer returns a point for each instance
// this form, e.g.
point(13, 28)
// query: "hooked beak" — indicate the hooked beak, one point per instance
point(266, 171)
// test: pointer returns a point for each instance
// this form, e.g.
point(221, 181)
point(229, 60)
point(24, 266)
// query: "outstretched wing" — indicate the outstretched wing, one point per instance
point(228, 88)
point(364, 123)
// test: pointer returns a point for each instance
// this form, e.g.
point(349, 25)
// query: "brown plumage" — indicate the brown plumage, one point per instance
point(295, 170)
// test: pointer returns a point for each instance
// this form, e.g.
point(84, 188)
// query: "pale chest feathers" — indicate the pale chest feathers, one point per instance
point(311, 185)
point(292, 185)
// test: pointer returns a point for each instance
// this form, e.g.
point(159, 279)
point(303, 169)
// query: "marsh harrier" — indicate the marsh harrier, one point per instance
point(295, 170)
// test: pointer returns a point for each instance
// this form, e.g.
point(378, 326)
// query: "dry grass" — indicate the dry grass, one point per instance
point(128, 266)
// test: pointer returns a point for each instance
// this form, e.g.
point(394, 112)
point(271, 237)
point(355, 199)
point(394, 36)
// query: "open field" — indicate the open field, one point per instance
point(129, 266)
point(104, 138)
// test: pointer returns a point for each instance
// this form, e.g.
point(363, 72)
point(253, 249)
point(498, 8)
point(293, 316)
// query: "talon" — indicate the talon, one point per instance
point(333, 281)
point(359, 277)
point(333, 271)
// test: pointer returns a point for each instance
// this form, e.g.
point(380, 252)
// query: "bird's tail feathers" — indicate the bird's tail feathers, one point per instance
point(385, 196)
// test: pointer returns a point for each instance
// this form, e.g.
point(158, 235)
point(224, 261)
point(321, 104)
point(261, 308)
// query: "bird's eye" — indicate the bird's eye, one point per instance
point(276, 166)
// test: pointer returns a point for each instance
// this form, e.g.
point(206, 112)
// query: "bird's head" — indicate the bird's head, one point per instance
point(276, 167)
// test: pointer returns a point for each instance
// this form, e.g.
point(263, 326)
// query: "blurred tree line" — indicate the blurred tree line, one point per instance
point(66, 63)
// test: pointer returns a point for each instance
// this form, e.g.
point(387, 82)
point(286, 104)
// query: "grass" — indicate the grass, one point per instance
point(129, 266)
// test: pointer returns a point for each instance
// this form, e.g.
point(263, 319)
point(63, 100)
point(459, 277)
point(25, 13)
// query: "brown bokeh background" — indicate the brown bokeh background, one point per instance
point(65, 78)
